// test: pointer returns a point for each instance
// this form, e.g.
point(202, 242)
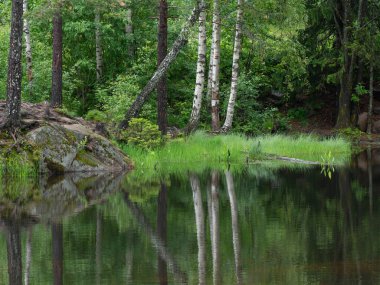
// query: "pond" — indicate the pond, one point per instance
point(256, 225)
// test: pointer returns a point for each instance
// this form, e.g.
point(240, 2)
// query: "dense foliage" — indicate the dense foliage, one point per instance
point(292, 58)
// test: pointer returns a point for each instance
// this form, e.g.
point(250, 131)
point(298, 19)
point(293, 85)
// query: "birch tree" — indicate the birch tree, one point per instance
point(215, 96)
point(28, 49)
point(235, 68)
point(12, 111)
point(200, 77)
point(180, 42)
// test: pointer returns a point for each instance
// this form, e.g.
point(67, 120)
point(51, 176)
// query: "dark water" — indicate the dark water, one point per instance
point(252, 226)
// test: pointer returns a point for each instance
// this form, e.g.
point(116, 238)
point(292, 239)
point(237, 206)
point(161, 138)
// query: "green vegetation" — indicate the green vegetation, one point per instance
point(201, 151)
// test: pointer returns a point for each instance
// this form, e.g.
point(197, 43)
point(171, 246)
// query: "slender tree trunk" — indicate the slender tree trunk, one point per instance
point(129, 32)
point(200, 78)
point(56, 89)
point(28, 50)
point(349, 63)
point(235, 68)
point(14, 251)
point(12, 111)
point(209, 79)
point(180, 42)
point(344, 112)
point(370, 107)
point(57, 239)
point(162, 50)
point(200, 224)
point(99, 50)
point(215, 96)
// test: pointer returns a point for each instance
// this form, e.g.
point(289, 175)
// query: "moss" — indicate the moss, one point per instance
point(54, 166)
point(86, 159)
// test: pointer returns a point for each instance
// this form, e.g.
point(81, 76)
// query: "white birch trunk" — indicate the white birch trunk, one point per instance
point(28, 48)
point(200, 78)
point(215, 68)
point(235, 69)
point(99, 51)
point(209, 82)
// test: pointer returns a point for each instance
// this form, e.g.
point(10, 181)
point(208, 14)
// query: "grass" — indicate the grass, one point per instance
point(201, 151)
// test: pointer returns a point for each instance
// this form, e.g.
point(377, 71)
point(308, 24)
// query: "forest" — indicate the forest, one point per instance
point(252, 67)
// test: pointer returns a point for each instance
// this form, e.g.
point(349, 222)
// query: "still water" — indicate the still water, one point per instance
point(258, 225)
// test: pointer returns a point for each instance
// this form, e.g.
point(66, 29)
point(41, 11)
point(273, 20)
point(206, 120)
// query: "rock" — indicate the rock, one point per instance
point(363, 121)
point(376, 127)
point(74, 148)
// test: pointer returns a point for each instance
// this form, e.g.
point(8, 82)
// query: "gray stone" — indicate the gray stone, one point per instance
point(74, 148)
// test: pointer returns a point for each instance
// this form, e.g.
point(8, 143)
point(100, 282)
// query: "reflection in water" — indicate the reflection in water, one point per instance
point(215, 233)
point(57, 240)
point(309, 229)
point(161, 231)
point(156, 241)
point(28, 255)
point(200, 224)
point(98, 248)
point(235, 225)
point(14, 252)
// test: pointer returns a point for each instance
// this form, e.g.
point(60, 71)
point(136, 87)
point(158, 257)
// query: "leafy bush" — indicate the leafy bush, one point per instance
point(143, 133)
point(96, 116)
point(298, 114)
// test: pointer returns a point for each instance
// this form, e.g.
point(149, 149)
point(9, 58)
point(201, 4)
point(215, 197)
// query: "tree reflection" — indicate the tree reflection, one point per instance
point(14, 252)
point(235, 225)
point(215, 233)
point(162, 202)
point(200, 224)
point(28, 255)
point(57, 240)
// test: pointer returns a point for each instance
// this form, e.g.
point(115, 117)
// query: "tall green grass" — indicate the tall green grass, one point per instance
point(201, 151)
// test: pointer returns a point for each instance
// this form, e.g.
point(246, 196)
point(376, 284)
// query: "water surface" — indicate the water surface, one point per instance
point(255, 225)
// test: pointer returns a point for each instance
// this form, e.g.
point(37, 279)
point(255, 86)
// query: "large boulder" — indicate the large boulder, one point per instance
point(74, 148)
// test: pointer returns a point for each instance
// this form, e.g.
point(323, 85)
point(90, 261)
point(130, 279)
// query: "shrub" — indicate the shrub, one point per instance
point(143, 133)
point(96, 116)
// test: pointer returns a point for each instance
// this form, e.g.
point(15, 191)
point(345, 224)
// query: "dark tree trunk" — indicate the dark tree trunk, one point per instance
point(57, 238)
point(162, 50)
point(162, 210)
point(12, 112)
point(14, 252)
point(180, 42)
point(56, 88)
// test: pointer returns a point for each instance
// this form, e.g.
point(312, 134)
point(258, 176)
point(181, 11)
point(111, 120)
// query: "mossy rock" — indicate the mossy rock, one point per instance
point(74, 148)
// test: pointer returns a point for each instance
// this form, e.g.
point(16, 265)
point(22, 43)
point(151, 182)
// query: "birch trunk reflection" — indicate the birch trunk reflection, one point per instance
point(215, 234)
point(14, 253)
point(235, 225)
point(28, 255)
point(200, 224)
point(156, 241)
